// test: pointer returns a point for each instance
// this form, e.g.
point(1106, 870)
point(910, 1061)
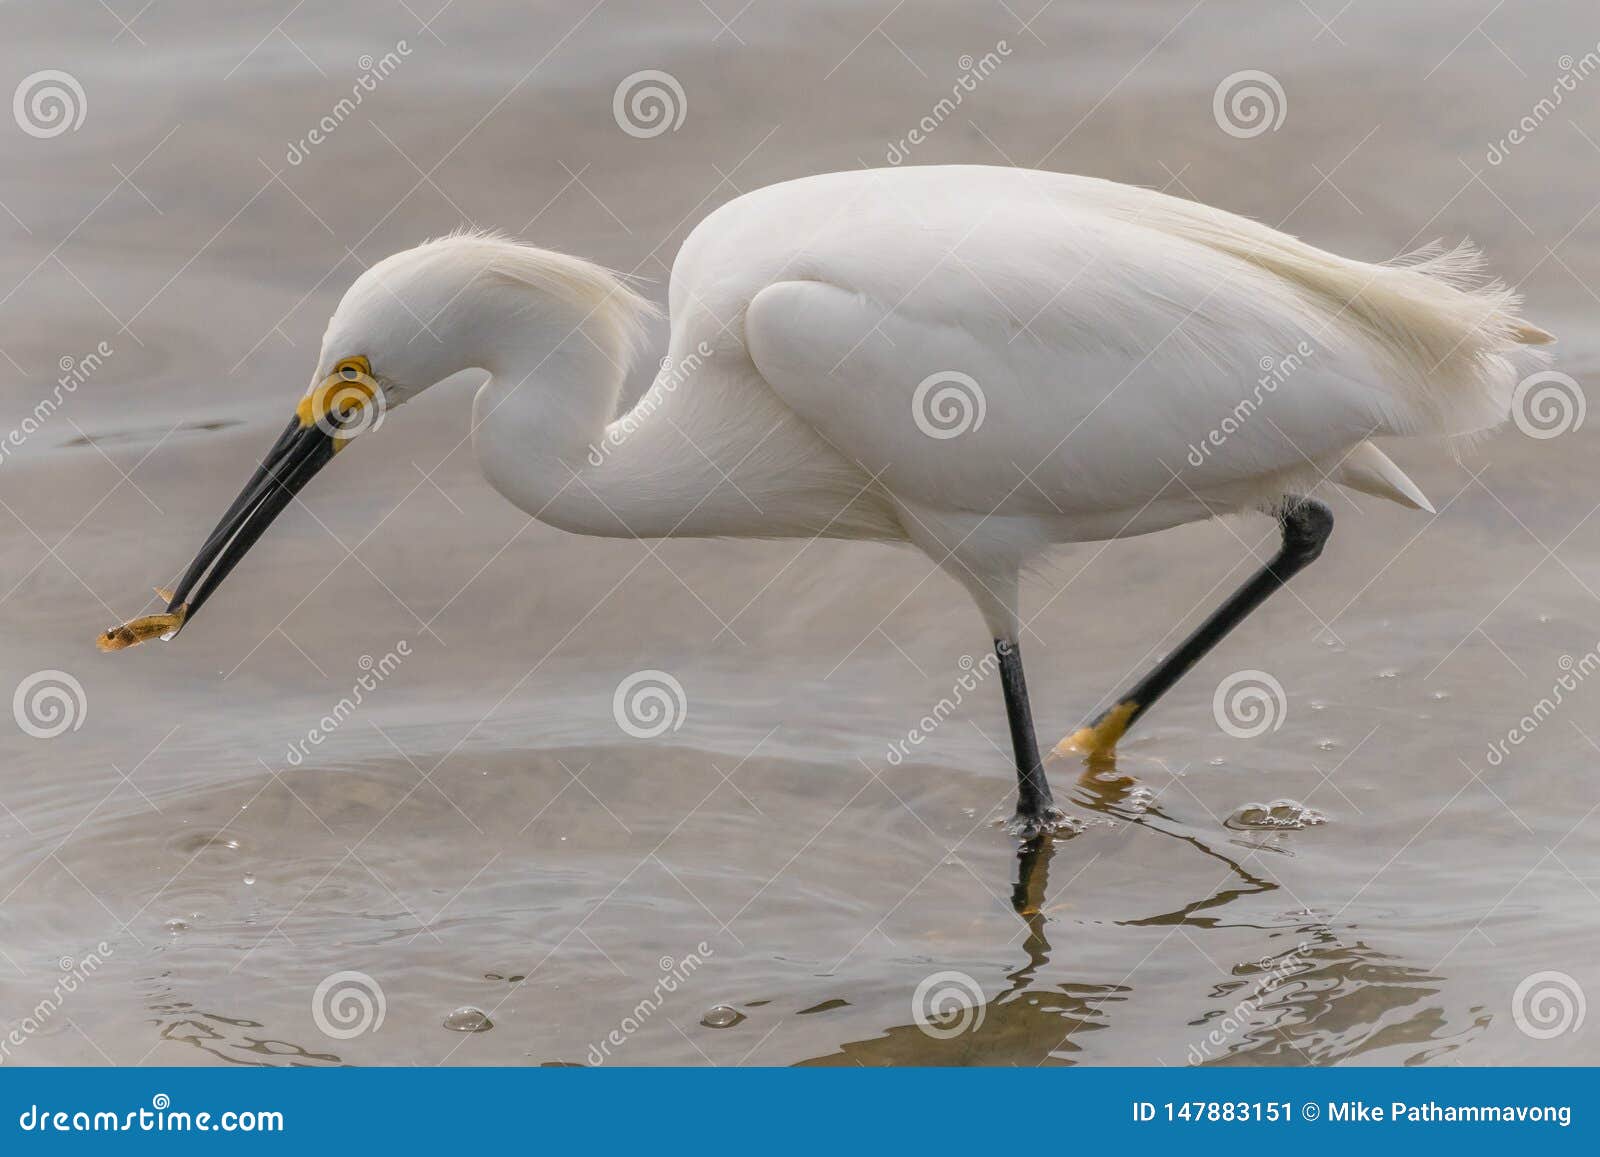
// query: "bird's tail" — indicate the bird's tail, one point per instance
point(1453, 335)
point(1450, 340)
point(1369, 470)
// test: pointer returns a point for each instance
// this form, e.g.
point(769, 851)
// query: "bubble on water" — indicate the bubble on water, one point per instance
point(1139, 799)
point(1438, 696)
point(1248, 815)
point(468, 1018)
point(1389, 673)
point(1280, 813)
point(1327, 745)
point(721, 1016)
point(205, 843)
point(249, 878)
point(1216, 761)
point(1289, 809)
point(175, 926)
point(1545, 618)
point(1318, 705)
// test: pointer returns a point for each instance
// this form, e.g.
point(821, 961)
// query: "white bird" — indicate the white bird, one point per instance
point(982, 362)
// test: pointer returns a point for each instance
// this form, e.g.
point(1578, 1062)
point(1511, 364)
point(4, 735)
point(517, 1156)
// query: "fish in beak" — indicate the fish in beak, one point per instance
point(325, 420)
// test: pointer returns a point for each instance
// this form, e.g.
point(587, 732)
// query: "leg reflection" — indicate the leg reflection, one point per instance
point(1027, 900)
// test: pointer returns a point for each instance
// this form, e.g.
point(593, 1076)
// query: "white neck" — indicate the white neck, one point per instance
point(543, 434)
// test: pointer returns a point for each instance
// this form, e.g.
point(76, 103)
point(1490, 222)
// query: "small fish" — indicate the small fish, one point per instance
point(144, 628)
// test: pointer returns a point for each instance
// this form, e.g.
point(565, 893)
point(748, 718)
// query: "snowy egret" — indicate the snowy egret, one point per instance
point(981, 362)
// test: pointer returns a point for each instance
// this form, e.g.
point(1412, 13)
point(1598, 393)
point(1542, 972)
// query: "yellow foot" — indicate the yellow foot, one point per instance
point(1099, 740)
point(144, 628)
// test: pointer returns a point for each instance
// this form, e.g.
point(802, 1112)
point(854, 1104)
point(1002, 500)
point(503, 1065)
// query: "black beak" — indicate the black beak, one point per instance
point(299, 452)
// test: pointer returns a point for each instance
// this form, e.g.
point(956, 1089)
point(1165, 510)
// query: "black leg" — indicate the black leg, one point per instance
point(1036, 810)
point(1306, 524)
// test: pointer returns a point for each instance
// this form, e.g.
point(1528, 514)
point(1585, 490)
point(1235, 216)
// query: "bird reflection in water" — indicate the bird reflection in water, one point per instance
point(1313, 995)
point(226, 1038)
point(1318, 999)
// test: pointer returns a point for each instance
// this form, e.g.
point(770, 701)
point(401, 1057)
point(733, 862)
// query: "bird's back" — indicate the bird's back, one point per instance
point(1108, 332)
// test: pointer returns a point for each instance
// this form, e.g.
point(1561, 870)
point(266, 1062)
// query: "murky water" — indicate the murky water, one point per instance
point(211, 864)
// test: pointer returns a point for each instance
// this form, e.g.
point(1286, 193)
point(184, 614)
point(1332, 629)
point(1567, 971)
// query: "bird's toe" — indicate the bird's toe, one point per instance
point(1048, 820)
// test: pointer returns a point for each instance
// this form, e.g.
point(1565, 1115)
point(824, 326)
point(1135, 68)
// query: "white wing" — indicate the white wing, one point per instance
point(991, 340)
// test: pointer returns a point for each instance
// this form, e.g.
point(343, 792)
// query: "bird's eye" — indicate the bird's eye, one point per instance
point(352, 369)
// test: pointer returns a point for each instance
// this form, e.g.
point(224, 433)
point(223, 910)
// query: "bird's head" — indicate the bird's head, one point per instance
point(418, 317)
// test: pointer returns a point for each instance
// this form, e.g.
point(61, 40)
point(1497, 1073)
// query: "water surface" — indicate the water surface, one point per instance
point(480, 833)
